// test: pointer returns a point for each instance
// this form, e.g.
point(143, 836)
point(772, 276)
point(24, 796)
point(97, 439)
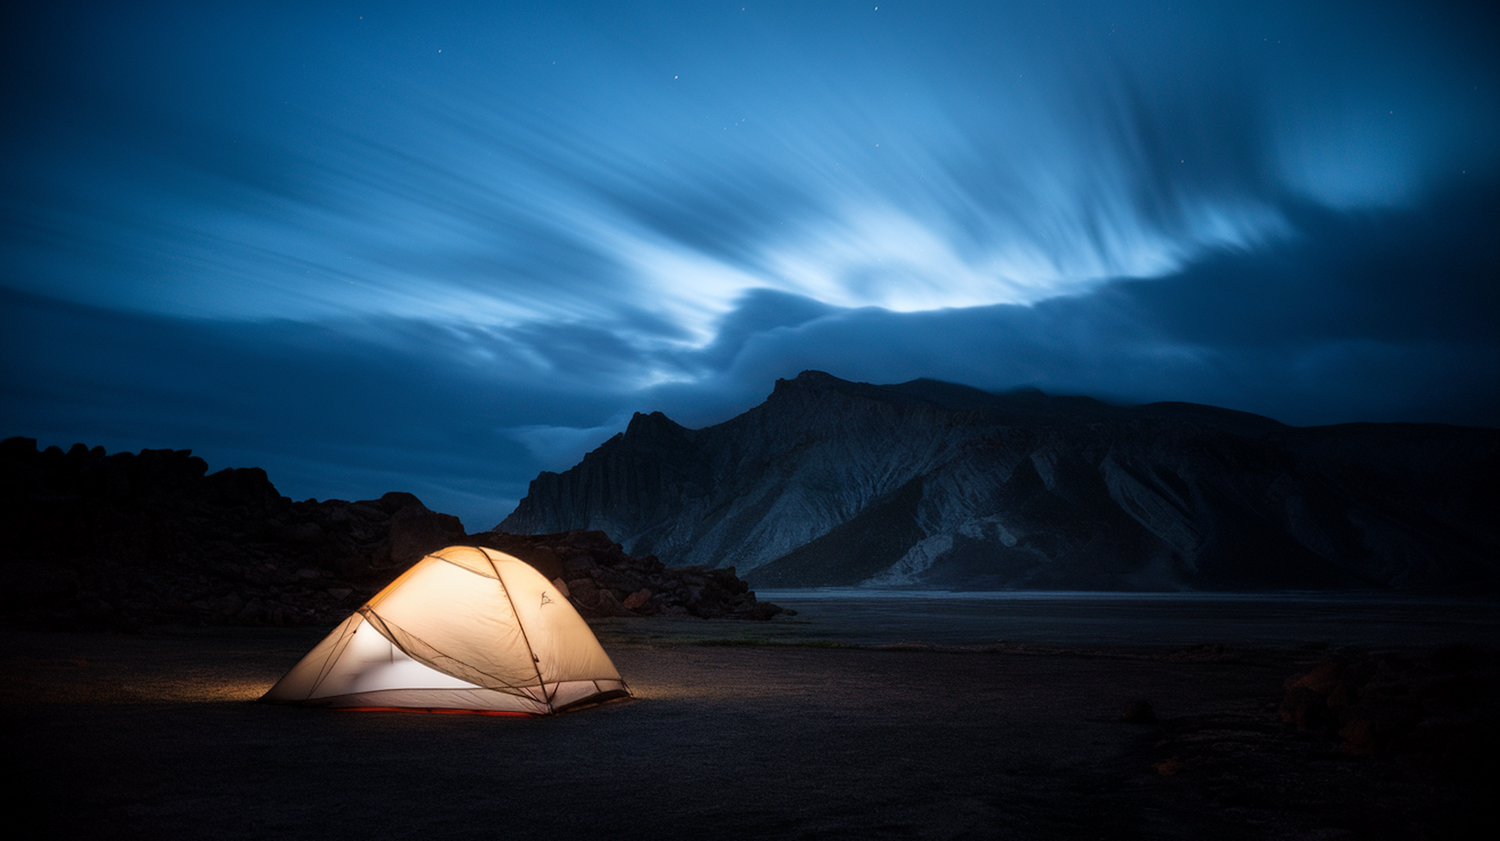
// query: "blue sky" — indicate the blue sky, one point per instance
point(440, 247)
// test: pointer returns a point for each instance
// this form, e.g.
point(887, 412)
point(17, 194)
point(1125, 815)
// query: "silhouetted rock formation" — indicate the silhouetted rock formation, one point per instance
point(601, 580)
point(128, 540)
point(932, 484)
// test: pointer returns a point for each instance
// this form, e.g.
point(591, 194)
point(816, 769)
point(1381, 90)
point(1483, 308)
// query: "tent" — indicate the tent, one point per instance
point(464, 629)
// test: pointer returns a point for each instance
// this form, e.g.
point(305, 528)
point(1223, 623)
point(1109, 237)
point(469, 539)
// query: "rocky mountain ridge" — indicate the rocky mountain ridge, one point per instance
point(127, 540)
point(933, 484)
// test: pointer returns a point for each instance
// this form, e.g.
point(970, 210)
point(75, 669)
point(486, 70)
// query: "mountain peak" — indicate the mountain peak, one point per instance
point(640, 422)
point(819, 383)
point(811, 380)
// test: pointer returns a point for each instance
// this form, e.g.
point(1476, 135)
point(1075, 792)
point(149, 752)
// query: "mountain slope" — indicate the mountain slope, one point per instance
point(934, 484)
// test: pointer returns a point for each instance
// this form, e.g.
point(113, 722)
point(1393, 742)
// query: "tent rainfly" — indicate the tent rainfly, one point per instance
point(466, 628)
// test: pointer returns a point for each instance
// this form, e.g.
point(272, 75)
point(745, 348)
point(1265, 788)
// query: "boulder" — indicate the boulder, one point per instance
point(1439, 710)
point(601, 579)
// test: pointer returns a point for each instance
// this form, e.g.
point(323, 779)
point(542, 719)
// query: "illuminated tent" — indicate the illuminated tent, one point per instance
point(464, 629)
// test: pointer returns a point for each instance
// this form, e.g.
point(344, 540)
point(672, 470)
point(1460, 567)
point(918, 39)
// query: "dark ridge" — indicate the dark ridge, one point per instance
point(131, 540)
point(1227, 420)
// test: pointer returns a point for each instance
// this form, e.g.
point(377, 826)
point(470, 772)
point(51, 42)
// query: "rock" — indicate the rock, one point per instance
point(601, 579)
point(585, 595)
point(415, 531)
point(606, 603)
point(1138, 711)
point(1440, 711)
point(1169, 767)
point(310, 533)
point(39, 584)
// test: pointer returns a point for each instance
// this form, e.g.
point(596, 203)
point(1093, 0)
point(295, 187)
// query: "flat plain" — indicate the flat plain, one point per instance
point(832, 723)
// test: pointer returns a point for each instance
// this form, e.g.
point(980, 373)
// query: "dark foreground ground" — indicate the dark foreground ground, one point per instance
point(157, 736)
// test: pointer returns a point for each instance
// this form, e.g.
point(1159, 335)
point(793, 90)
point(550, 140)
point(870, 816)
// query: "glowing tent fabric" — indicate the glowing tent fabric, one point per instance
point(464, 629)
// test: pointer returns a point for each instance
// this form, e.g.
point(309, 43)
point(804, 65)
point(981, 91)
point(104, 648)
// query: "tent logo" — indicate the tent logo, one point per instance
point(545, 600)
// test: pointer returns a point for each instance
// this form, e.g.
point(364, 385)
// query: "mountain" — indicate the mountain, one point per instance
point(927, 483)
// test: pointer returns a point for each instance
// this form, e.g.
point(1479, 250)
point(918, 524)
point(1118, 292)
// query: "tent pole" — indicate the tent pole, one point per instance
point(535, 664)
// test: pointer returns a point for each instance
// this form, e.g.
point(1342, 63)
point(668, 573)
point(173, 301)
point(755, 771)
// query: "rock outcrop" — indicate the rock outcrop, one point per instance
point(931, 484)
point(1437, 709)
point(130, 540)
point(601, 580)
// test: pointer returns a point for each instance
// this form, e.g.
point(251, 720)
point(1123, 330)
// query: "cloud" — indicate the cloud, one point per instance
point(1375, 316)
point(558, 448)
point(910, 160)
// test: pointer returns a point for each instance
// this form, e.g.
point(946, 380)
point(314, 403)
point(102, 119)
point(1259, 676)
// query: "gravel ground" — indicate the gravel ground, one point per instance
point(771, 735)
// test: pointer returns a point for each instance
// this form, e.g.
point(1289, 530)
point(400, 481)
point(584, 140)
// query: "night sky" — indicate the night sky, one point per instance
point(439, 247)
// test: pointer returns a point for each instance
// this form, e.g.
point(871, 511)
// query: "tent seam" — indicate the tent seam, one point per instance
point(526, 638)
